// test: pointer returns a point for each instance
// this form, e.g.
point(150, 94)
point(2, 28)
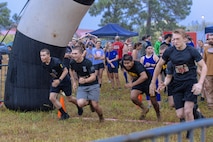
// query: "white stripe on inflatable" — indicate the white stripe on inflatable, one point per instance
point(52, 21)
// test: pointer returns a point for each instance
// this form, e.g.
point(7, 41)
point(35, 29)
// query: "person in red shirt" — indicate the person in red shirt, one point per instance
point(118, 46)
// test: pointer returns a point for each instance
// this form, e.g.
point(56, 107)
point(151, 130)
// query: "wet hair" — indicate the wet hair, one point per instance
point(45, 50)
point(181, 32)
point(127, 57)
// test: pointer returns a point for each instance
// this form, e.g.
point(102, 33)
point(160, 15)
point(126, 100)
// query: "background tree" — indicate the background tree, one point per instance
point(5, 21)
point(15, 19)
point(142, 15)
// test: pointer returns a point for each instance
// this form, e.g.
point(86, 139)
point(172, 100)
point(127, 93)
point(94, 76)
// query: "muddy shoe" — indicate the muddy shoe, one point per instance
point(143, 114)
point(159, 117)
point(80, 110)
point(101, 118)
point(64, 116)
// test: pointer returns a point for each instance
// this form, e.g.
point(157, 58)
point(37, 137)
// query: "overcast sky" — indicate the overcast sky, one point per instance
point(199, 8)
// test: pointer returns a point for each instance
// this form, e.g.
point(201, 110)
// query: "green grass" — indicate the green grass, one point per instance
point(45, 126)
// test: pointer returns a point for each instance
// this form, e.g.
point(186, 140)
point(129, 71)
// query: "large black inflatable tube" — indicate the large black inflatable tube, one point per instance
point(44, 24)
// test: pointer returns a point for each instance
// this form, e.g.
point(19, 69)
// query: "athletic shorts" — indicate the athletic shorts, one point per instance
point(99, 66)
point(64, 86)
point(182, 92)
point(113, 70)
point(91, 92)
point(143, 87)
point(170, 87)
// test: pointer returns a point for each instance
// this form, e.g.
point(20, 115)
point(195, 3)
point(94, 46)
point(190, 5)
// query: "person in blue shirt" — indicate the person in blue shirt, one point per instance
point(112, 65)
point(98, 61)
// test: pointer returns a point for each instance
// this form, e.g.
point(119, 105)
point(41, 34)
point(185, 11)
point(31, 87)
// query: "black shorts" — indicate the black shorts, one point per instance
point(143, 87)
point(64, 86)
point(182, 92)
point(99, 66)
point(113, 70)
point(170, 88)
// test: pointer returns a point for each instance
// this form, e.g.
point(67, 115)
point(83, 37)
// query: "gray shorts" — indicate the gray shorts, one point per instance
point(91, 92)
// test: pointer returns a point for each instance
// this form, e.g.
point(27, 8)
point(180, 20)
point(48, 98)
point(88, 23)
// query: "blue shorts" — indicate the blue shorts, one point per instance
point(64, 86)
point(91, 92)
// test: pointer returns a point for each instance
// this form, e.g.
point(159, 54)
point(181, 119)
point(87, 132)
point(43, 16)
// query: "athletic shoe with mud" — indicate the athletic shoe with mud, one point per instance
point(101, 118)
point(143, 114)
point(80, 110)
point(64, 116)
point(159, 117)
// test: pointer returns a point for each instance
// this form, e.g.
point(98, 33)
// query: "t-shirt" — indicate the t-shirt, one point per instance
point(55, 68)
point(98, 52)
point(112, 55)
point(84, 69)
point(89, 54)
point(183, 61)
point(118, 46)
point(136, 70)
point(170, 68)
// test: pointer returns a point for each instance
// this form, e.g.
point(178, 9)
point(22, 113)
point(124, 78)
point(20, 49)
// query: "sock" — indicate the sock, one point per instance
point(125, 76)
point(62, 111)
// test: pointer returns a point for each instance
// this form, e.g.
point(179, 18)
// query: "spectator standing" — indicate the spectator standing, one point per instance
point(148, 40)
point(144, 44)
point(208, 58)
point(149, 61)
point(118, 46)
point(136, 55)
point(98, 63)
point(200, 47)
point(189, 41)
point(167, 40)
point(112, 65)
point(157, 45)
point(89, 54)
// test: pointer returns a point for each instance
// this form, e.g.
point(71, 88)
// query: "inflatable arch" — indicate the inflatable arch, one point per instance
point(44, 24)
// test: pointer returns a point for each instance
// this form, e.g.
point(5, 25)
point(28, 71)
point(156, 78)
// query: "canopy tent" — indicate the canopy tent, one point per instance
point(208, 30)
point(112, 29)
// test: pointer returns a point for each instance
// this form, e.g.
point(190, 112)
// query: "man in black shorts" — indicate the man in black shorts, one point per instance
point(60, 81)
point(185, 84)
point(139, 84)
point(88, 91)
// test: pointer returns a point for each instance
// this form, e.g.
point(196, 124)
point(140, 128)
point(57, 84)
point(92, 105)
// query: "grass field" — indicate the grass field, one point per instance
point(119, 111)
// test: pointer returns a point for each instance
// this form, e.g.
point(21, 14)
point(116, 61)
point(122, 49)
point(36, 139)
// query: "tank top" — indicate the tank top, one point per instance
point(151, 61)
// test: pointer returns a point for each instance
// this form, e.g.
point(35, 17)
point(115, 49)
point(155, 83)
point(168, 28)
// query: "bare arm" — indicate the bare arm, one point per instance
point(141, 79)
point(196, 89)
point(152, 87)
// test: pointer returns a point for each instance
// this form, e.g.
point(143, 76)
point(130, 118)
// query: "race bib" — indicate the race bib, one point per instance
point(181, 68)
